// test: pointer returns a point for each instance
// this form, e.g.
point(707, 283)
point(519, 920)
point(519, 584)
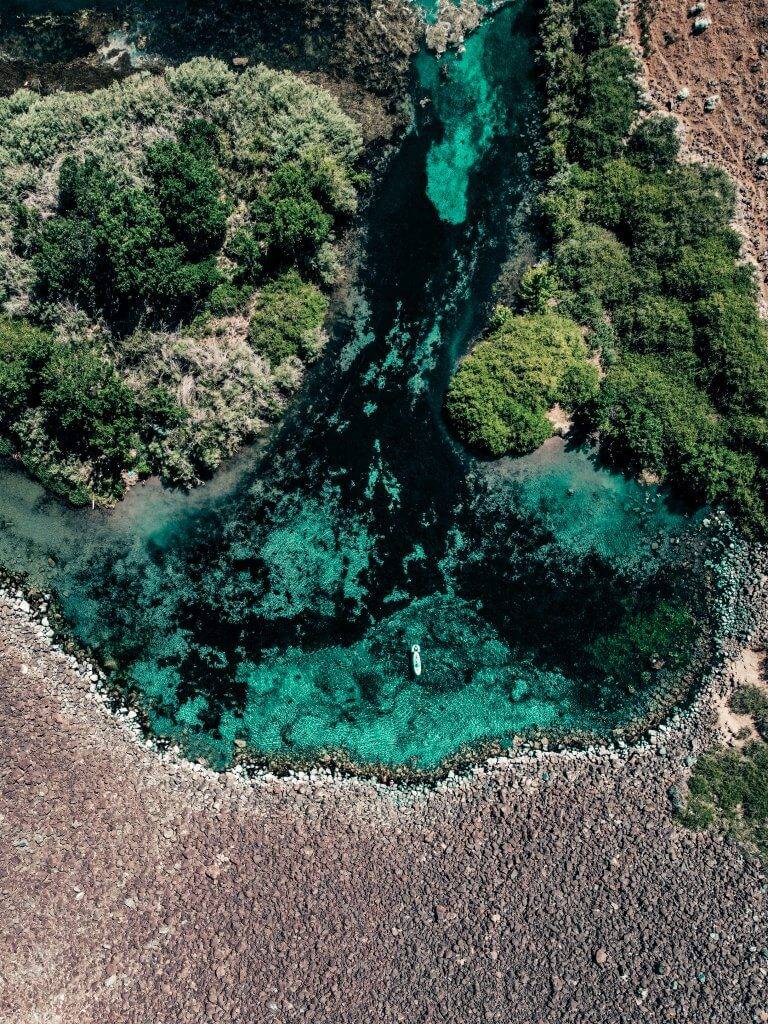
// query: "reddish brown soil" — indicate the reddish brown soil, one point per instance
point(550, 892)
point(724, 61)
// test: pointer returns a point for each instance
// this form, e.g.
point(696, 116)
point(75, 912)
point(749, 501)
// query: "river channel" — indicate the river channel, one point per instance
point(278, 604)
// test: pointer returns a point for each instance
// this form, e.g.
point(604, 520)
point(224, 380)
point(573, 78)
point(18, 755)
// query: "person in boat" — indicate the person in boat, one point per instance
point(416, 659)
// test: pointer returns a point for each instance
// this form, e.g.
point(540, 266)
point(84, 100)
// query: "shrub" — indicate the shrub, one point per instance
point(88, 410)
point(245, 251)
point(730, 789)
point(536, 289)
point(596, 271)
point(24, 350)
point(121, 251)
point(499, 396)
point(226, 299)
point(733, 343)
point(609, 99)
point(751, 700)
point(654, 145)
point(288, 319)
point(64, 403)
point(655, 324)
point(187, 187)
point(289, 216)
point(654, 417)
point(596, 24)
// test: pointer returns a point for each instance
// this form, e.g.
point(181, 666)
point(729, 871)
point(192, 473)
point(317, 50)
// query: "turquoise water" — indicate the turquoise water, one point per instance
point(471, 106)
point(278, 605)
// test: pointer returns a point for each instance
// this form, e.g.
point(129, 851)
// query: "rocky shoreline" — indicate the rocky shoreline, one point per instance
point(736, 603)
point(551, 887)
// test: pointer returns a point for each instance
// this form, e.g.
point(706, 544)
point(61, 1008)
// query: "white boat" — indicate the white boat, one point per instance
point(416, 659)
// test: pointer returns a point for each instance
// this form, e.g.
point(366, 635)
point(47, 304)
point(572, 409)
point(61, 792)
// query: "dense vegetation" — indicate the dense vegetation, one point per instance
point(642, 256)
point(499, 397)
point(66, 401)
point(129, 253)
point(164, 245)
point(288, 318)
point(729, 788)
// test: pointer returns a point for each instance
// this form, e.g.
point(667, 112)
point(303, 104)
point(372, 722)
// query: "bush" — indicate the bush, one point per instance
point(24, 350)
point(596, 24)
point(730, 789)
point(654, 145)
point(226, 299)
point(751, 700)
point(288, 320)
point(654, 417)
point(187, 187)
point(125, 252)
point(733, 343)
point(499, 396)
point(244, 250)
point(609, 100)
point(536, 289)
point(64, 403)
point(595, 271)
point(289, 216)
point(657, 325)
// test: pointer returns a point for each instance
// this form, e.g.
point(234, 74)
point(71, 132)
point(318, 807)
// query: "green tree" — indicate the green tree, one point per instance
point(187, 188)
point(289, 216)
point(654, 145)
point(596, 23)
point(288, 319)
point(499, 396)
point(608, 105)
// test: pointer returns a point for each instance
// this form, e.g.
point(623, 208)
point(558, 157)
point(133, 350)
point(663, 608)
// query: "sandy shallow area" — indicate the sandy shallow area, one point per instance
point(543, 891)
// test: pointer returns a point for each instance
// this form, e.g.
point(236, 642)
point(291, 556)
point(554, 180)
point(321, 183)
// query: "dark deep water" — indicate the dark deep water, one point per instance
point(279, 604)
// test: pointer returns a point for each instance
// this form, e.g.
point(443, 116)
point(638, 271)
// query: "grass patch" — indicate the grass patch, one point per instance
point(728, 789)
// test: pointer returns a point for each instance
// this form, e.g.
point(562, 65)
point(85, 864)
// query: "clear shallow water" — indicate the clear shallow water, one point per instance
point(278, 604)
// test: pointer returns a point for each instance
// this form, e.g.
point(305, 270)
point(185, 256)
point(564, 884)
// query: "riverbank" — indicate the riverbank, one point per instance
point(357, 51)
point(552, 888)
point(714, 83)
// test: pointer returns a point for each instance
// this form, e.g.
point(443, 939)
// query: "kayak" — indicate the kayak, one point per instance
point(416, 659)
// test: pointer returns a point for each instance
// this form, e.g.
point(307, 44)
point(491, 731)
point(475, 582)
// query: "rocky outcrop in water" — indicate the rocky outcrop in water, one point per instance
point(453, 23)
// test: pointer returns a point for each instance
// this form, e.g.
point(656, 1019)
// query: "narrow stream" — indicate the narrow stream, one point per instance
point(278, 604)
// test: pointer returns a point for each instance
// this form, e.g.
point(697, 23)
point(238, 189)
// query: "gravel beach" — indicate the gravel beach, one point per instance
point(139, 888)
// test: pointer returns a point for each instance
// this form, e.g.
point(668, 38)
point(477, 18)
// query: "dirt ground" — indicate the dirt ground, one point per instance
point(729, 63)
